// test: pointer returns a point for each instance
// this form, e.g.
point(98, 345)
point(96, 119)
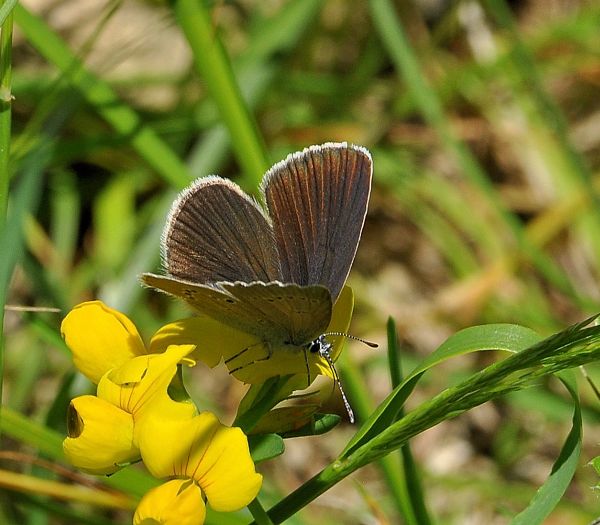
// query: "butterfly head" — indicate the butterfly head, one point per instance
point(321, 346)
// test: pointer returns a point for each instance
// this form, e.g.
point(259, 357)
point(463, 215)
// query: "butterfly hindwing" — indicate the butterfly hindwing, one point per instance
point(281, 314)
point(298, 313)
point(317, 200)
point(215, 232)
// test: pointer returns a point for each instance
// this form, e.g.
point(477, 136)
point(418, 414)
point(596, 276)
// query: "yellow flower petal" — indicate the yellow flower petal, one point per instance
point(213, 339)
point(203, 449)
point(225, 471)
point(176, 502)
point(142, 384)
point(341, 316)
point(100, 338)
point(100, 436)
point(166, 442)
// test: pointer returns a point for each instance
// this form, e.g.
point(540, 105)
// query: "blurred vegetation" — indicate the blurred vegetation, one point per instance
point(483, 118)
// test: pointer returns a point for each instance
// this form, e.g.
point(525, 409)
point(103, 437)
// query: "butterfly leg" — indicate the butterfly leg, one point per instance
point(265, 358)
point(308, 376)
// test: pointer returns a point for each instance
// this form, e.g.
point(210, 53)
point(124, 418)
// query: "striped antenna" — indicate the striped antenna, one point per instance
point(322, 347)
point(325, 353)
point(364, 341)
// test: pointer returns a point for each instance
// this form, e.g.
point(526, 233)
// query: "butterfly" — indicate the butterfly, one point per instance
point(272, 269)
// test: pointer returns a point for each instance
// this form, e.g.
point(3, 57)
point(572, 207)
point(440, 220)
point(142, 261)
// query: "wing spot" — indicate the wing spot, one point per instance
point(230, 301)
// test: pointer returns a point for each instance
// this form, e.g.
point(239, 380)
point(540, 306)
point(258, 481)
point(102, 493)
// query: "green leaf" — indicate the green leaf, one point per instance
point(596, 464)
point(321, 424)
point(6, 8)
point(265, 446)
point(507, 337)
point(563, 470)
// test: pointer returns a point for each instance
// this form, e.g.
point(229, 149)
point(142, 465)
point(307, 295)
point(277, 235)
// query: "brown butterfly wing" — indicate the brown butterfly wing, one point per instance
point(280, 314)
point(216, 232)
point(317, 200)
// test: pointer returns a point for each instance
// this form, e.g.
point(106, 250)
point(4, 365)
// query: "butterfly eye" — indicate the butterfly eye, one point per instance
point(314, 346)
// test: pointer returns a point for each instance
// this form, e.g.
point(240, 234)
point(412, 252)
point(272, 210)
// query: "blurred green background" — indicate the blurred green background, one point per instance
point(483, 118)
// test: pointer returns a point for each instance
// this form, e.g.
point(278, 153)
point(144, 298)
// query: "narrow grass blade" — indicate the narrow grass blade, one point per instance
point(412, 487)
point(563, 470)
point(255, 70)
point(6, 8)
point(393, 36)
point(101, 96)
point(5, 129)
point(215, 68)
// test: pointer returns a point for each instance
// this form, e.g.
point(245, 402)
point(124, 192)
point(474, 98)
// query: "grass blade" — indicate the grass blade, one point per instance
point(215, 68)
point(5, 127)
point(551, 492)
point(101, 96)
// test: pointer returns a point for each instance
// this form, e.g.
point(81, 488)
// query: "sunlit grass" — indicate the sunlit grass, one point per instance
point(482, 122)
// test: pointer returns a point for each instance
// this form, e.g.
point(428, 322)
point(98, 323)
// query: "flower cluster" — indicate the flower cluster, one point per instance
point(132, 417)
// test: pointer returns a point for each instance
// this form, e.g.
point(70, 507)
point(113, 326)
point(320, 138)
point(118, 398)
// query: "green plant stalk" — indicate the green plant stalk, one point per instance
point(5, 129)
point(390, 29)
point(410, 482)
point(362, 405)
point(214, 67)
point(101, 96)
point(258, 513)
point(568, 349)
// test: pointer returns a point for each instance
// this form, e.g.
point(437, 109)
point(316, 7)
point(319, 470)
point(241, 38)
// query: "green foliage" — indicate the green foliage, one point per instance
point(484, 221)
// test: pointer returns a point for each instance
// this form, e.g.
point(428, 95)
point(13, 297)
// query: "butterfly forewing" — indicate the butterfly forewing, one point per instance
point(215, 232)
point(317, 200)
point(274, 312)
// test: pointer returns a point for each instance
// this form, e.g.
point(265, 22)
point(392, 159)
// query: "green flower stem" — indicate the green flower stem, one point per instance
point(214, 66)
point(5, 129)
point(409, 483)
point(258, 513)
point(571, 348)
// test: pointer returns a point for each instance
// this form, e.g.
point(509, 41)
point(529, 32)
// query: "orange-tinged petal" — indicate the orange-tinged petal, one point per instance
point(176, 502)
point(100, 338)
point(100, 436)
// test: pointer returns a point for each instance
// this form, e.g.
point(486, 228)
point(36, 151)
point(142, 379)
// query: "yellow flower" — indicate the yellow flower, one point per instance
point(103, 429)
point(176, 502)
point(215, 457)
point(100, 436)
point(246, 355)
point(100, 338)
point(141, 384)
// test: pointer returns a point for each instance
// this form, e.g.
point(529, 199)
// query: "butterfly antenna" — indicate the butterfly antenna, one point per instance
point(364, 341)
point(336, 378)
